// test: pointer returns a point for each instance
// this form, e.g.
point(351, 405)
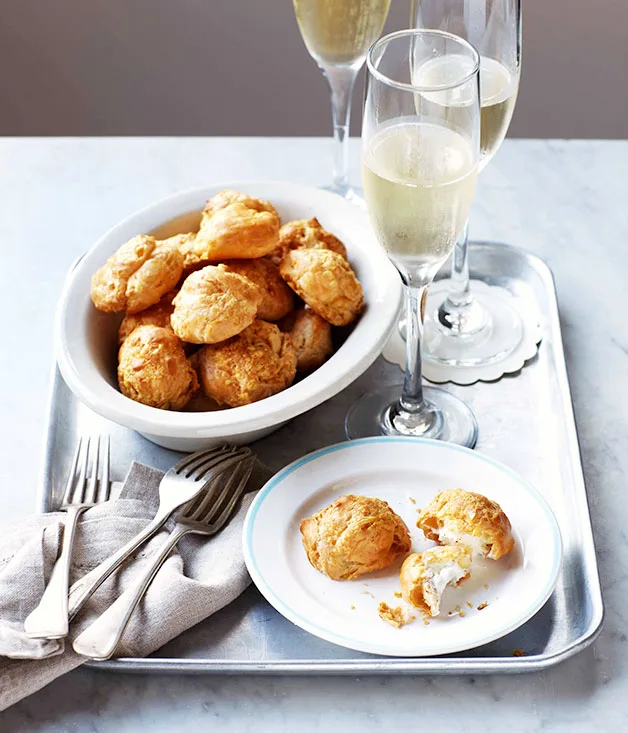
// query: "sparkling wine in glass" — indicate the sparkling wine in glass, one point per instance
point(467, 329)
point(338, 34)
point(498, 93)
point(420, 154)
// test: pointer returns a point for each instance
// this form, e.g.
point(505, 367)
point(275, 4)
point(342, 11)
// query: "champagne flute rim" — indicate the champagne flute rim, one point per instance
point(422, 88)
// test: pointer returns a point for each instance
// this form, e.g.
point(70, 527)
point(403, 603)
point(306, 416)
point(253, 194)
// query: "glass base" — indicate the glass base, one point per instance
point(491, 331)
point(447, 417)
point(354, 195)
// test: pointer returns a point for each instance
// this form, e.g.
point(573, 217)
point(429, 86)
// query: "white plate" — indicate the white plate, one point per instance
point(401, 471)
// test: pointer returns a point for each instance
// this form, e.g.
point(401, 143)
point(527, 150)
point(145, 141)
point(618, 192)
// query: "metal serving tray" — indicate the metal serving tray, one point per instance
point(526, 421)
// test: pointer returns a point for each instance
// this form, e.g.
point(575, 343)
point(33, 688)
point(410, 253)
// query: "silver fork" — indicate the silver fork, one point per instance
point(206, 515)
point(50, 619)
point(182, 483)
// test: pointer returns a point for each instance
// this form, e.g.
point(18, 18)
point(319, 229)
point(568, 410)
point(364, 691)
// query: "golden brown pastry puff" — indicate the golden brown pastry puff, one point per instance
point(227, 197)
point(277, 298)
point(311, 338)
point(214, 305)
point(153, 369)
point(137, 275)
point(354, 535)
point(234, 226)
point(157, 315)
point(326, 282)
point(305, 233)
point(425, 576)
point(463, 517)
point(253, 365)
point(180, 240)
point(183, 242)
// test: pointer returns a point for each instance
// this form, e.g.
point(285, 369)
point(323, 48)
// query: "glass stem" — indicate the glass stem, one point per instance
point(459, 294)
point(460, 313)
point(341, 80)
point(412, 394)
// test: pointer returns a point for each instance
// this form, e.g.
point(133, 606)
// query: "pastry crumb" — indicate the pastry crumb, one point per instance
point(396, 617)
point(482, 606)
point(367, 593)
point(412, 500)
point(469, 604)
point(518, 652)
point(461, 614)
point(352, 608)
point(485, 586)
point(426, 622)
point(397, 594)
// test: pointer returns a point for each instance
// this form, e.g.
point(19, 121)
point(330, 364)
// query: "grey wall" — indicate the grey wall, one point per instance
point(239, 67)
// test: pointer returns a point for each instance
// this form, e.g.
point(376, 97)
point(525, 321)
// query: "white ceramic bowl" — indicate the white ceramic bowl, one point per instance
point(86, 339)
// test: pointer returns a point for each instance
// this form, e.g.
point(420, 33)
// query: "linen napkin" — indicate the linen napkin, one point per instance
point(201, 577)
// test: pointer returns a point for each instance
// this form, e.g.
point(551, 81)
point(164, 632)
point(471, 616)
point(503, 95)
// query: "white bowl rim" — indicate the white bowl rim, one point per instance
point(306, 394)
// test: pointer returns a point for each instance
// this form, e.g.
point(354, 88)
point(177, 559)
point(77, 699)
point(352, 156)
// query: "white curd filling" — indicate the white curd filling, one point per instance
point(450, 574)
point(477, 545)
point(440, 577)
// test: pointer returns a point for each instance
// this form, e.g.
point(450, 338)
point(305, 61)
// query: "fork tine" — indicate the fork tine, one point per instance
point(67, 494)
point(216, 463)
point(198, 508)
point(213, 495)
point(79, 489)
point(201, 466)
point(92, 484)
point(194, 457)
point(190, 510)
point(204, 463)
point(229, 509)
point(219, 468)
point(105, 485)
point(230, 492)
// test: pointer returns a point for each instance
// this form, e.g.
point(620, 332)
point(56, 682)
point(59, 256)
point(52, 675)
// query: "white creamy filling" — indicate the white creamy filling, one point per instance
point(446, 575)
point(477, 545)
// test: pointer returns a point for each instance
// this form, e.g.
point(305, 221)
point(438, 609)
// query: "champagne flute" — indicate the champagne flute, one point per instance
point(420, 152)
point(338, 34)
point(473, 329)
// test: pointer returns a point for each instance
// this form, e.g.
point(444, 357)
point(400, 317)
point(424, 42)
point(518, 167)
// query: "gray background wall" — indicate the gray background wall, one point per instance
point(239, 67)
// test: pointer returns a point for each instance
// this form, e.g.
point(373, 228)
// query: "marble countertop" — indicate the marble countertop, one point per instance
point(563, 200)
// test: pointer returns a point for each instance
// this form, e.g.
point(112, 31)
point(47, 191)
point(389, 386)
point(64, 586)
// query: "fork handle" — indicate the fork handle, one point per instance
point(50, 619)
point(84, 588)
point(99, 641)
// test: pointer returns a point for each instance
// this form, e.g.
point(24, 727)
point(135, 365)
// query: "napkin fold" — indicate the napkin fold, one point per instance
point(199, 578)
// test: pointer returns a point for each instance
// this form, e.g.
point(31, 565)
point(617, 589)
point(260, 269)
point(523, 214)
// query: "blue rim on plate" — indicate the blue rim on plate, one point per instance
point(289, 613)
